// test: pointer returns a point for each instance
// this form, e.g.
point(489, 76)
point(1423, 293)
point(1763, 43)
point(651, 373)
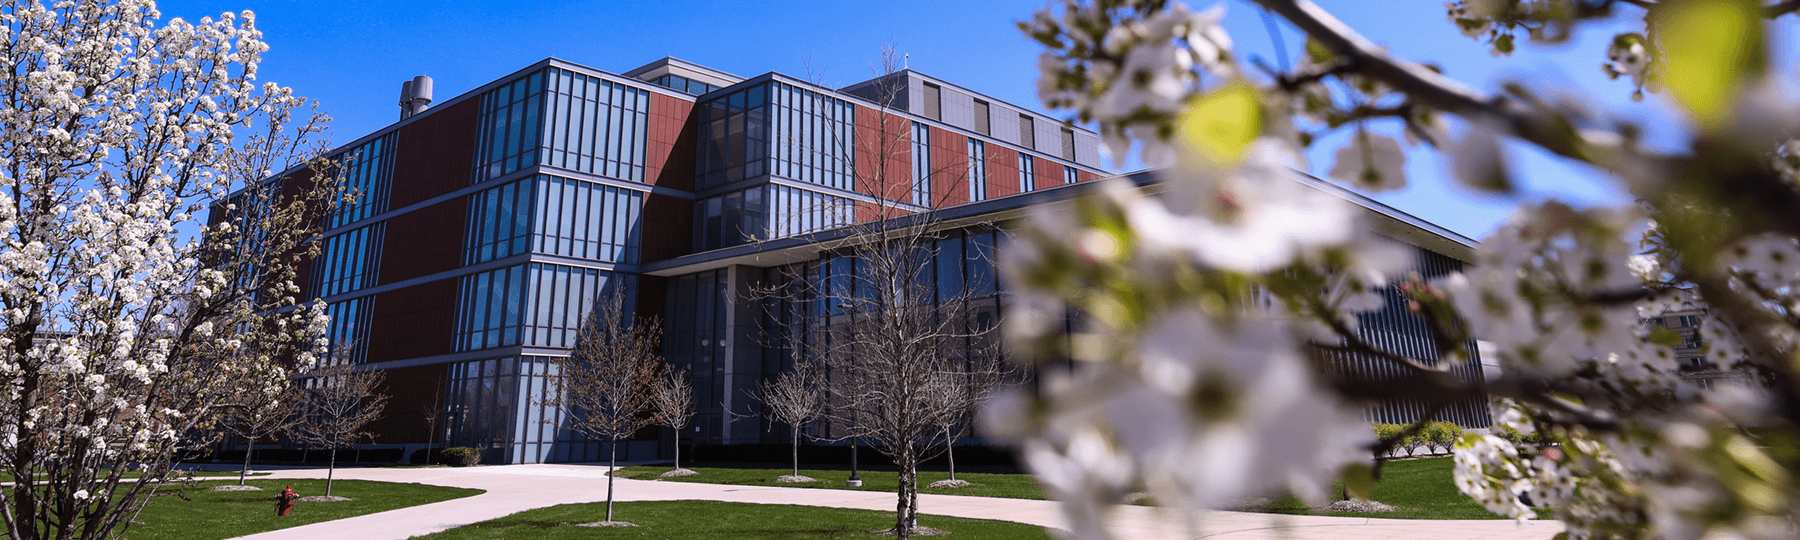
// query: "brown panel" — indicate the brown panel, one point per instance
point(414, 321)
point(424, 241)
point(1002, 171)
point(1083, 176)
point(883, 155)
point(949, 169)
point(667, 227)
point(669, 154)
point(413, 393)
point(435, 154)
point(1049, 173)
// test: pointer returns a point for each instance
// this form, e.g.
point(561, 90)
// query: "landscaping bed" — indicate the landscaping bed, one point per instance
point(677, 520)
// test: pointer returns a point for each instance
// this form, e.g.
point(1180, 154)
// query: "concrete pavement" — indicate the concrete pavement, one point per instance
point(516, 488)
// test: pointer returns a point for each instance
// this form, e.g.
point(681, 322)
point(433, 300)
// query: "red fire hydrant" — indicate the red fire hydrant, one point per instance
point(284, 502)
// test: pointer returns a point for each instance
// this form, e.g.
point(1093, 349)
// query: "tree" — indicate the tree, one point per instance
point(892, 348)
point(672, 404)
point(795, 398)
point(261, 412)
point(340, 400)
point(609, 377)
point(121, 307)
point(1221, 285)
point(432, 410)
point(978, 387)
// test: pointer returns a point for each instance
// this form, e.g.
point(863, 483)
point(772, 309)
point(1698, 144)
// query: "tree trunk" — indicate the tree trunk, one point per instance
point(796, 451)
point(903, 508)
point(330, 471)
point(246, 470)
point(950, 453)
point(677, 449)
point(612, 471)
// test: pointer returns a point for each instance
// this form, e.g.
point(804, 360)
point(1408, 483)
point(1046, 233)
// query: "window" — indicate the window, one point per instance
point(492, 304)
point(813, 136)
point(586, 220)
point(1027, 174)
point(595, 126)
point(921, 164)
point(1068, 144)
point(1027, 132)
point(349, 329)
point(1069, 175)
point(347, 261)
point(499, 222)
point(934, 102)
point(368, 172)
point(509, 131)
point(977, 170)
point(982, 111)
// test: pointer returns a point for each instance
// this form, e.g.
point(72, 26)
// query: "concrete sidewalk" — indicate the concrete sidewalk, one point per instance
point(516, 488)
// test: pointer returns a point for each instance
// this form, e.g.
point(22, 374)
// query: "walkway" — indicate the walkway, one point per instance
point(516, 488)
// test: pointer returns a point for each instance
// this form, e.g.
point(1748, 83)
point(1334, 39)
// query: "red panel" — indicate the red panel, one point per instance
point(883, 155)
point(1083, 176)
point(1049, 173)
point(949, 169)
point(1002, 171)
point(669, 156)
point(412, 393)
point(414, 321)
point(424, 241)
point(436, 153)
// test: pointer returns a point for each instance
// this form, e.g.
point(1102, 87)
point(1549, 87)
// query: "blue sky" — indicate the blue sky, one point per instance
point(352, 56)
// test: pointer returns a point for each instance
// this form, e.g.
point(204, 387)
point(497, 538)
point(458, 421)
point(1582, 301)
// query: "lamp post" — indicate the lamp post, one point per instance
point(854, 481)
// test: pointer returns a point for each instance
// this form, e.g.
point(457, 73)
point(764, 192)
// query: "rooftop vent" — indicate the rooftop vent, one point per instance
point(415, 96)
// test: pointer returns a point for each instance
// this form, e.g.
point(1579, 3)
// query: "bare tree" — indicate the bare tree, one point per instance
point(895, 352)
point(672, 406)
point(981, 383)
point(432, 410)
point(340, 401)
point(795, 397)
point(609, 378)
point(259, 413)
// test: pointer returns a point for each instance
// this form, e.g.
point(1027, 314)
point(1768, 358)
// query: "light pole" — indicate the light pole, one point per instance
point(854, 481)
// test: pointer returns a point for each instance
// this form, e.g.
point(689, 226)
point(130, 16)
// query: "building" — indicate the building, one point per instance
point(491, 221)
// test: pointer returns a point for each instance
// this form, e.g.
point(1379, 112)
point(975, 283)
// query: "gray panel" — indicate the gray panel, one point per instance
point(1005, 123)
point(915, 87)
point(959, 109)
point(1049, 136)
point(1087, 149)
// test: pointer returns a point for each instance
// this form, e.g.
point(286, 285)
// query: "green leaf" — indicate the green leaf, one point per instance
point(1221, 125)
point(1359, 481)
point(1665, 337)
point(1712, 47)
point(1504, 44)
point(1318, 53)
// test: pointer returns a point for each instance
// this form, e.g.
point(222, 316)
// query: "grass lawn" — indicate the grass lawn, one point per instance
point(1421, 488)
point(674, 520)
point(1012, 486)
point(208, 515)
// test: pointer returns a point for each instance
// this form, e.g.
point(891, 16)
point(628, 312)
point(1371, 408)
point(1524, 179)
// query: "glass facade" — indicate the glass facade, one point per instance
point(921, 164)
point(348, 261)
point(507, 408)
point(555, 215)
point(694, 338)
point(1027, 173)
point(595, 126)
point(368, 172)
point(563, 119)
point(684, 85)
point(349, 329)
point(510, 136)
point(1070, 176)
point(977, 170)
point(764, 212)
point(492, 309)
point(534, 304)
point(781, 129)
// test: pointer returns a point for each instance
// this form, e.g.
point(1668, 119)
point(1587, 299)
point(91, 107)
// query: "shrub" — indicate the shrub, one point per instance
point(459, 456)
point(1389, 431)
point(1441, 436)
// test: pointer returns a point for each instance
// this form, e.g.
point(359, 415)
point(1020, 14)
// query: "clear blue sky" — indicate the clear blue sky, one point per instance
point(352, 56)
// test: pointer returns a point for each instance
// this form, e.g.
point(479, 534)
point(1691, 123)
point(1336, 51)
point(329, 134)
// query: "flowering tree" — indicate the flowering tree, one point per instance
point(260, 412)
point(1202, 304)
point(124, 315)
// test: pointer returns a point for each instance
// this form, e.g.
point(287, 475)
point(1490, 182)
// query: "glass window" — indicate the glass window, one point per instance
point(368, 171)
point(977, 170)
point(921, 164)
point(1027, 174)
point(348, 261)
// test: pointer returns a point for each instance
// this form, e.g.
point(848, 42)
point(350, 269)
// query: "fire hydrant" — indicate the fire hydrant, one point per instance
point(284, 502)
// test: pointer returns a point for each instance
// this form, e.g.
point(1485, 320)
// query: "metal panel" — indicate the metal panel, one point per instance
point(1005, 124)
point(959, 109)
point(1087, 149)
point(1049, 136)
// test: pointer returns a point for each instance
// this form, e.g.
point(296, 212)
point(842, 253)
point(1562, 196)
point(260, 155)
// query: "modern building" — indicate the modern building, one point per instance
point(490, 222)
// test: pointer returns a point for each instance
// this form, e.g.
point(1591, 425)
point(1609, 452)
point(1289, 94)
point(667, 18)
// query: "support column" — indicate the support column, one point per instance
point(743, 355)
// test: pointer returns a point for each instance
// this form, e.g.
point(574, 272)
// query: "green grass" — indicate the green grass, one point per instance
point(673, 520)
point(1011, 486)
point(1421, 488)
point(208, 515)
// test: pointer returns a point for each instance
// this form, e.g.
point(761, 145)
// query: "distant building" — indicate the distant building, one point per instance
point(490, 222)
